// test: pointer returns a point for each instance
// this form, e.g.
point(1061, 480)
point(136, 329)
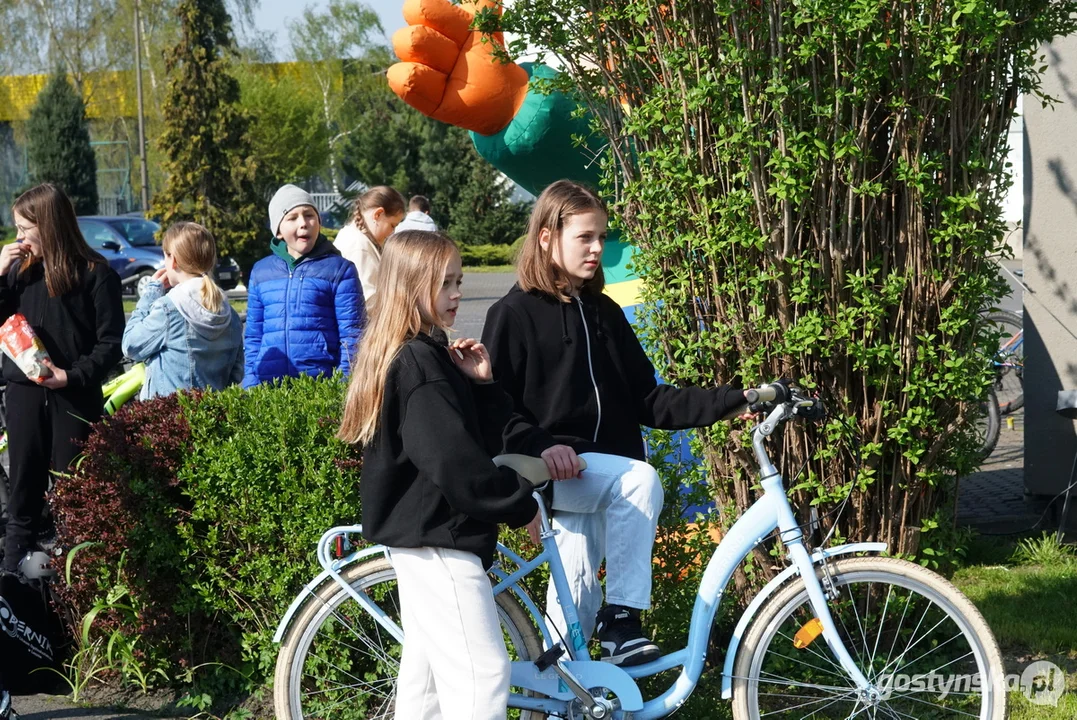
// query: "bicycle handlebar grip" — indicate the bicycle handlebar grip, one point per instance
point(773, 392)
point(766, 393)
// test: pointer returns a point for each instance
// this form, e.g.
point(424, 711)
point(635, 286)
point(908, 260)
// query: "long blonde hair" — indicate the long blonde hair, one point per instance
point(535, 268)
point(409, 279)
point(195, 251)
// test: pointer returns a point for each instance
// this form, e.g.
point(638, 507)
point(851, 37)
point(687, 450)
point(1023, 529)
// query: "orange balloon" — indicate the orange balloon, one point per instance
point(450, 72)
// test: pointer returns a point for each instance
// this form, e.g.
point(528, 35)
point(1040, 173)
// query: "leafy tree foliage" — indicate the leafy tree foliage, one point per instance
point(205, 137)
point(286, 132)
point(58, 144)
point(341, 58)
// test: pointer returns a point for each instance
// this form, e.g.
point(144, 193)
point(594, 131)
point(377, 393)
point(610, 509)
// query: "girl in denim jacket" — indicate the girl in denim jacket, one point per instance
point(183, 327)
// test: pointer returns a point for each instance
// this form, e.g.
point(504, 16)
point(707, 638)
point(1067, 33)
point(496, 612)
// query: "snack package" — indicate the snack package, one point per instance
point(24, 347)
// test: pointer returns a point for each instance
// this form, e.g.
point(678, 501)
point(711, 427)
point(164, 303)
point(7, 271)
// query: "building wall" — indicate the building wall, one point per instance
point(1050, 264)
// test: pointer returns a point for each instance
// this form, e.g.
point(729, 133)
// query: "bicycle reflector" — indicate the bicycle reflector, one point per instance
point(807, 634)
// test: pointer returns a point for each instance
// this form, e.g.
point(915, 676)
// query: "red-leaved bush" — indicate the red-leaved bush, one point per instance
point(124, 494)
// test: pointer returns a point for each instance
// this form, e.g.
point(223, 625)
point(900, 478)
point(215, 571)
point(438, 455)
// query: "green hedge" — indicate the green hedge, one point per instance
point(206, 510)
point(476, 255)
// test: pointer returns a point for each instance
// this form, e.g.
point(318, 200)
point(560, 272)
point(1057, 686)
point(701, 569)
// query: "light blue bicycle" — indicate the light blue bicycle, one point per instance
point(832, 636)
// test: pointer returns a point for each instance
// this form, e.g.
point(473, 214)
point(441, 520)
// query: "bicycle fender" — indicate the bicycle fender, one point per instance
point(313, 586)
point(757, 602)
point(590, 673)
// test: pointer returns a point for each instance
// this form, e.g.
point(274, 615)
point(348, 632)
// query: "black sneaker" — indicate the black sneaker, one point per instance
point(621, 635)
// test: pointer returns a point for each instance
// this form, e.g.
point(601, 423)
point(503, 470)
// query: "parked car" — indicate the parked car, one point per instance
point(130, 246)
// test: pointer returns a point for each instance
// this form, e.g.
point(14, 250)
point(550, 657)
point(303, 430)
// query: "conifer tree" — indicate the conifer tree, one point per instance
point(205, 143)
point(58, 144)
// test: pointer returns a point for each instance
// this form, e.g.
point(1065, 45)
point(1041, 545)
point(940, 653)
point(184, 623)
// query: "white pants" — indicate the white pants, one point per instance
point(454, 664)
point(610, 511)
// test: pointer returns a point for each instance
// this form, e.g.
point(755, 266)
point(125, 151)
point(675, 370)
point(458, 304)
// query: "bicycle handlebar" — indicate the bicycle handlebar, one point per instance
point(772, 392)
point(780, 393)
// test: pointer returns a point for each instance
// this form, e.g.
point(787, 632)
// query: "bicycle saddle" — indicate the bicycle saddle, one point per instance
point(530, 468)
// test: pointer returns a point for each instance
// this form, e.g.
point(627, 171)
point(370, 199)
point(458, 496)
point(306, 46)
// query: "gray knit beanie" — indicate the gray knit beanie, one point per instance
point(288, 198)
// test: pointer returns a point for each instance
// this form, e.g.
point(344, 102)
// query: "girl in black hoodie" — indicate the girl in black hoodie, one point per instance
point(582, 384)
point(430, 418)
point(71, 298)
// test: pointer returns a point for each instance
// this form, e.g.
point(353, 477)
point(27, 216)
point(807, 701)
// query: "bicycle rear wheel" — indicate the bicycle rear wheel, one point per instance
point(337, 663)
point(910, 632)
point(1009, 361)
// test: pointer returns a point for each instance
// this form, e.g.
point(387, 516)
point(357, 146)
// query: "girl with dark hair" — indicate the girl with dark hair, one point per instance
point(71, 298)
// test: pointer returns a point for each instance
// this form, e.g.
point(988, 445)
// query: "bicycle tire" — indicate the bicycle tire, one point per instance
point(759, 659)
point(378, 579)
point(1010, 363)
point(989, 425)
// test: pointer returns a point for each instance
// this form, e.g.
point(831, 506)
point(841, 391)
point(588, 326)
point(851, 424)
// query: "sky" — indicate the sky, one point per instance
point(273, 14)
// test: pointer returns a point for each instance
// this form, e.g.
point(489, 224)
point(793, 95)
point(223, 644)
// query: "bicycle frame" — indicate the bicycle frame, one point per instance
point(1008, 348)
point(771, 512)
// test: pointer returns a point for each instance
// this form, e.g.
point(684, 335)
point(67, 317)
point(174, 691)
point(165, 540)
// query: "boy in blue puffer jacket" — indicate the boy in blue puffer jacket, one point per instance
point(305, 308)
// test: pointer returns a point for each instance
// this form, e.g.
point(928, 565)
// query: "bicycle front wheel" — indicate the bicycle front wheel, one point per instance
point(912, 633)
point(337, 663)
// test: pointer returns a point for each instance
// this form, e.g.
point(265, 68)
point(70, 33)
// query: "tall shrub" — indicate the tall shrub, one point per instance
point(206, 509)
point(814, 190)
point(58, 143)
point(207, 152)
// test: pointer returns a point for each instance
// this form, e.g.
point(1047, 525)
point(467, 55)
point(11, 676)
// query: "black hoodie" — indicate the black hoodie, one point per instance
point(428, 480)
point(81, 329)
point(578, 376)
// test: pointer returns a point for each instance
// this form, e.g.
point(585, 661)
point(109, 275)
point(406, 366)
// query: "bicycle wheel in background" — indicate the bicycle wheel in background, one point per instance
point(988, 424)
point(909, 630)
point(337, 663)
point(1009, 362)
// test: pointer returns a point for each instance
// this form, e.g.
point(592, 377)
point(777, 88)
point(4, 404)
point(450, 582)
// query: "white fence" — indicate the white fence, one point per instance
point(325, 201)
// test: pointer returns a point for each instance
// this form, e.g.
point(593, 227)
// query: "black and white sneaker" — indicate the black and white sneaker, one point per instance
point(6, 711)
point(621, 635)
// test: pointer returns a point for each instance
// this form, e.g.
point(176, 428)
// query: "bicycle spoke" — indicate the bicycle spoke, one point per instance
point(882, 625)
point(937, 647)
point(373, 687)
point(897, 634)
point(944, 709)
point(777, 680)
point(918, 641)
point(812, 702)
point(840, 670)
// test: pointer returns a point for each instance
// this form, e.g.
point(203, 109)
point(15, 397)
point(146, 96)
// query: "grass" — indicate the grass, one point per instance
point(1026, 590)
point(240, 306)
point(489, 269)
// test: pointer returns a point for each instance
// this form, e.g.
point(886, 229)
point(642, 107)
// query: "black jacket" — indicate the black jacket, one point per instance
point(428, 480)
point(578, 376)
point(81, 329)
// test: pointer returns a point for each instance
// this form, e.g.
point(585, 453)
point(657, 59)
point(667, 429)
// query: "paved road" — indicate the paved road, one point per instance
point(480, 290)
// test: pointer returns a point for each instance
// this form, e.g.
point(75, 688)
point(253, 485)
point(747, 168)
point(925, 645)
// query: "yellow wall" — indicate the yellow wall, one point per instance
point(107, 94)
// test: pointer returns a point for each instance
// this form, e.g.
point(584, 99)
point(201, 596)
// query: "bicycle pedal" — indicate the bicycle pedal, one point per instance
point(548, 658)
